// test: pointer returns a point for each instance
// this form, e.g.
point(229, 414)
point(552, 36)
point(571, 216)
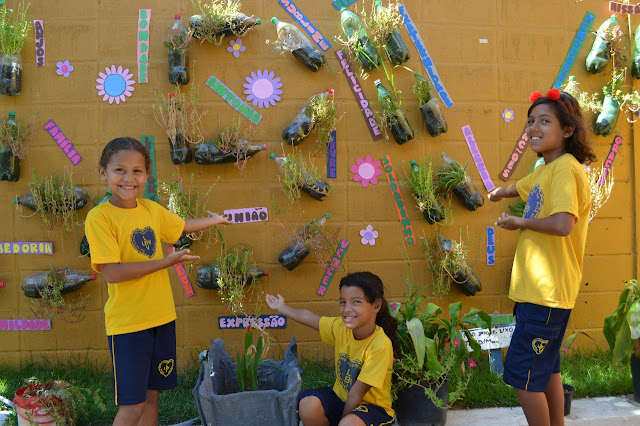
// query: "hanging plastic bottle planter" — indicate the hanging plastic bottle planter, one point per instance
point(12, 42)
point(607, 117)
point(297, 177)
point(388, 21)
point(425, 191)
point(218, 19)
point(429, 106)
point(292, 39)
point(9, 161)
point(177, 45)
point(600, 53)
point(208, 275)
point(304, 242)
point(454, 178)
point(635, 63)
point(214, 152)
point(317, 113)
point(358, 40)
point(396, 120)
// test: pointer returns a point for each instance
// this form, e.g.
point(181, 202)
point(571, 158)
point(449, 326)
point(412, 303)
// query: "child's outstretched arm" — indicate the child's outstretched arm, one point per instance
point(194, 225)
point(354, 397)
point(500, 193)
point(114, 273)
point(559, 224)
point(302, 316)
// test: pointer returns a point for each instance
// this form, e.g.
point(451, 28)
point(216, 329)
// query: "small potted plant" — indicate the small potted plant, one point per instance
point(622, 331)
point(319, 113)
point(298, 176)
point(230, 147)
point(53, 402)
point(14, 27)
point(218, 18)
point(310, 239)
point(180, 118)
point(432, 349)
point(429, 106)
point(55, 199)
point(177, 44)
point(384, 26)
point(425, 191)
point(447, 261)
point(14, 146)
point(453, 178)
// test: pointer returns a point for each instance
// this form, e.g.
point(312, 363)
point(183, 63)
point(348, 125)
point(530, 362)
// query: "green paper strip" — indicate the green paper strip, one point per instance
point(232, 99)
point(151, 187)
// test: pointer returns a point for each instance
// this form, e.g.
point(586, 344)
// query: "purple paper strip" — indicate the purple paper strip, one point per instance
point(333, 267)
point(332, 157)
point(477, 158)
point(491, 246)
point(25, 324)
point(26, 247)
point(38, 28)
point(316, 35)
point(359, 95)
point(62, 141)
point(248, 215)
point(243, 321)
point(615, 146)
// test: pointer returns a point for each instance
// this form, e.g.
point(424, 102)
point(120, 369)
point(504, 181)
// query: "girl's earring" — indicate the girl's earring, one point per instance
point(103, 177)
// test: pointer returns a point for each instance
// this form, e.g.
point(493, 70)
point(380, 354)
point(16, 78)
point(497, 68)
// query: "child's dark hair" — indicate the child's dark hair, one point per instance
point(373, 290)
point(120, 144)
point(578, 143)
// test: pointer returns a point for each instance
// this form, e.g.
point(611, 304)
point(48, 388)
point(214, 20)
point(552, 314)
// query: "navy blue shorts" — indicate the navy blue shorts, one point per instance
point(143, 360)
point(371, 415)
point(534, 352)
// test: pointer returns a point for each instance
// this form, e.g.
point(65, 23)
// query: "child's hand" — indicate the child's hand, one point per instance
point(181, 256)
point(507, 222)
point(493, 195)
point(219, 219)
point(275, 303)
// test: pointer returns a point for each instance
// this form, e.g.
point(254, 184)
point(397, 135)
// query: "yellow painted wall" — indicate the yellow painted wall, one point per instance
point(526, 43)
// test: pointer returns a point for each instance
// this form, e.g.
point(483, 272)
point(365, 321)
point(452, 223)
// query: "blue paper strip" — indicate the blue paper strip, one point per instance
point(427, 62)
point(572, 54)
point(339, 4)
point(316, 35)
point(332, 158)
point(491, 246)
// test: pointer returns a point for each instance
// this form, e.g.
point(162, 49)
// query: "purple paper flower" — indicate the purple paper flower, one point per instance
point(263, 88)
point(64, 68)
point(507, 114)
point(368, 235)
point(236, 47)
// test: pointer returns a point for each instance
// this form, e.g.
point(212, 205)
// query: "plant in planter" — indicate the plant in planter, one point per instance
point(429, 106)
point(384, 26)
point(230, 147)
point(453, 178)
point(622, 331)
point(425, 191)
point(53, 402)
point(14, 27)
point(180, 118)
point(298, 176)
point(55, 199)
point(290, 38)
point(600, 53)
point(310, 239)
point(432, 350)
point(319, 113)
point(14, 146)
point(447, 261)
point(218, 18)
point(235, 268)
point(177, 44)
point(600, 186)
point(358, 42)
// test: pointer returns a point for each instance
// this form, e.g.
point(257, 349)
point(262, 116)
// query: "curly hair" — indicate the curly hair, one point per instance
point(373, 290)
point(578, 144)
point(121, 144)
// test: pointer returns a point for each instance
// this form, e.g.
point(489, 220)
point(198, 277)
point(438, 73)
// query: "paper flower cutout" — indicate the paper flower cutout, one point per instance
point(236, 47)
point(64, 68)
point(115, 84)
point(368, 235)
point(366, 170)
point(507, 114)
point(263, 89)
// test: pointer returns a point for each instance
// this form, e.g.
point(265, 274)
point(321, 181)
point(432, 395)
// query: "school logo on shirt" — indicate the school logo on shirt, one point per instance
point(166, 367)
point(534, 203)
point(348, 371)
point(538, 345)
point(144, 241)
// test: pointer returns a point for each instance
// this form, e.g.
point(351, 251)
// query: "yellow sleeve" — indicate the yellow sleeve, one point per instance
point(170, 224)
point(564, 191)
point(102, 240)
point(377, 364)
point(327, 330)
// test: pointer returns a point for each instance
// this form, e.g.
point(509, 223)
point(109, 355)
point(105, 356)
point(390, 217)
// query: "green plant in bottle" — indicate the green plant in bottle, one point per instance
point(310, 239)
point(395, 118)
point(425, 190)
point(14, 28)
point(453, 178)
point(49, 301)
point(292, 39)
point(216, 19)
point(609, 33)
point(384, 27)
point(234, 272)
point(358, 41)
point(231, 146)
point(429, 106)
point(297, 176)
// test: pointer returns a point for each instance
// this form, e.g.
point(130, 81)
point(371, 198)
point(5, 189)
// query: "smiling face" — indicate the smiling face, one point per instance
point(546, 135)
point(126, 174)
point(357, 313)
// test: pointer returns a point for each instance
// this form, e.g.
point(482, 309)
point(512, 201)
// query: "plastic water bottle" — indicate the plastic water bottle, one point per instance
point(208, 274)
point(299, 45)
point(394, 44)
point(208, 152)
point(366, 53)
point(178, 53)
point(9, 162)
point(397, 121)
point(293, 255)
point(33, 284)
point(316, 189)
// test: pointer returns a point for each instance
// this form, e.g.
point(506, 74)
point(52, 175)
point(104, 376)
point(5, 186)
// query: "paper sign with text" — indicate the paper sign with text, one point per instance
point(144, 18)
point(38, 28)
point(500, 337)
point(25, 324)
point(248, 215)
point(243, 321)
point(26, 247)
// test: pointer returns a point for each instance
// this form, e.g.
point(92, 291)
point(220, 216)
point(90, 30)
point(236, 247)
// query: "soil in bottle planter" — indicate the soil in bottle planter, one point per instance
point(433, 211)
point(366, 53)
point(10, 74)
point(9, 162)
point(430, 109)
point(299, 45)
point(316, 189)
point(635, 63)
point(180, 150)
point(466, 190)
point(293, 255)
point(208, 152)
point(600, 54)
point(465, 276)
point(301, 125)
point(396, 120)
point(178, 54)
point(33, 284)
point(394, 44)
point(606, 120)
point(238, 26)
point(208, 274)
point(79, 197)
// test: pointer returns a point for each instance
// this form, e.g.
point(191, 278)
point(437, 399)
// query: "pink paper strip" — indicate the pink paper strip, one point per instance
point(62, 141)
point(619, 7)
point(250, 214)
point(182, 274)
point(333, 267)
point(516, 155)
point(38, 28)
point(477, 158)
point(359, 95)
point(144, 17)
point(491, 246)
point(26, 247)
point(25, 324)
point(615, 146)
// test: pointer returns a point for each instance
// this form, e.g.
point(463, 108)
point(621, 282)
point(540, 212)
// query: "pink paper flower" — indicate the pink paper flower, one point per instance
point(236, 47)
point(472, 363)
point(365, 171)
point(64, 68)
point(368, 235)
point(507, 114)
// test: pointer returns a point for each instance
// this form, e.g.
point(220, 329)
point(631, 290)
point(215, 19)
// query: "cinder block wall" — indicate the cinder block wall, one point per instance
point(526, 43)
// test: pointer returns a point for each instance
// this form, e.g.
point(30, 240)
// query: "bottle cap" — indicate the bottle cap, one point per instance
point(572, 78)
point(93, 277)
point(327, 215)
point(258, 21)
point(12, 114)
point(417, 74)
point(376, 82)
point(177, 16)
point(272, 155)
point(109, 192)
point(266, 273)
point(16, 201)
point(412, 162)
point(274, 20)
point(3, 284)
point(264, 146)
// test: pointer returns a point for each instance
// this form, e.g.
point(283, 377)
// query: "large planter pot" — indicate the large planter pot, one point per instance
point(568, 397)
point(275, 402)
point(414, 408)
point(635, 377)
point(29, 410)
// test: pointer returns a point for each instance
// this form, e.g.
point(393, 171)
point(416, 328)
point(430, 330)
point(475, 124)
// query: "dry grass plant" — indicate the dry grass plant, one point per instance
point(52, 304)
point(445, 262)
point(179, 115)
point(600, 189)
point(233, 140)
point(19, 142)
point(216, 15)
point(15, 25)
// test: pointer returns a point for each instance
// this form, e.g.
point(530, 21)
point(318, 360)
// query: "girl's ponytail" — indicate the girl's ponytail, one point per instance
point(389, 325)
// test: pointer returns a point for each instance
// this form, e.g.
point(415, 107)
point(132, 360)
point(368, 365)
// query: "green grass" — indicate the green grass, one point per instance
point(591, 374)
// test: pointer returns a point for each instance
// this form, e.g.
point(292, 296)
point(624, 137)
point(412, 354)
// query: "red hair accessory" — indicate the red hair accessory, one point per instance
point(553, 94)
point(535, 96)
